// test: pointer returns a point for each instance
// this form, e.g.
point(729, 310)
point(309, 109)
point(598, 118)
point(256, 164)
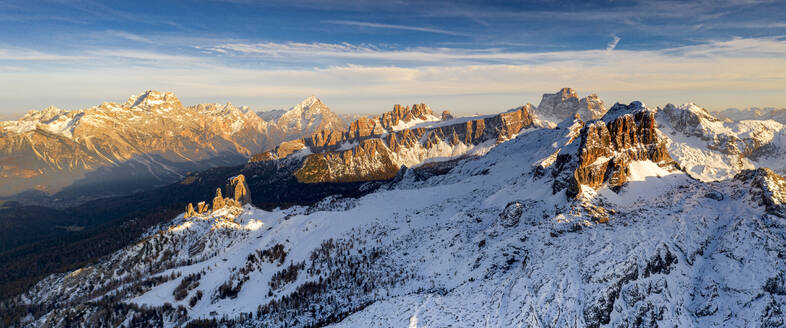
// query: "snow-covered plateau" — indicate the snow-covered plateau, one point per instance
point(494, 242)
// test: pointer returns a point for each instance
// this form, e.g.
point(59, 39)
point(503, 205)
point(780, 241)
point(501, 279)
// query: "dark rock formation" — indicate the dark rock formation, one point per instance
point(511, 214)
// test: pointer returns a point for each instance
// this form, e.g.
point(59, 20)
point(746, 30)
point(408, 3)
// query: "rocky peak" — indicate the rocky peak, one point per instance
point(380, 158)
point(446, 115)
point(309, 116)
point(688, 118)
point(309, 106)
point(153, 99)
point(625, 134)
point(218, 201)
point(405, 114)
point(565, 103)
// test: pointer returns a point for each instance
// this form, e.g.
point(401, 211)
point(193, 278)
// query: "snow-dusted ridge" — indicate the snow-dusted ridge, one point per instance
point(490, 243)
point(711, 149)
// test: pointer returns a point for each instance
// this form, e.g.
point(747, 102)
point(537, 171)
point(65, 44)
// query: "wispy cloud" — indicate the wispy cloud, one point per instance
point(752, 74)
point(128, 36)
point(24, 54)
point(395, 27)
point(613, 44)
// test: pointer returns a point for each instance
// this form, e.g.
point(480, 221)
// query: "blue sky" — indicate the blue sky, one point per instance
point(364, 56)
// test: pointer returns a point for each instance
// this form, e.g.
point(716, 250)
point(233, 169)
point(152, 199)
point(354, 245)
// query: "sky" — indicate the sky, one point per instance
point(364, 56)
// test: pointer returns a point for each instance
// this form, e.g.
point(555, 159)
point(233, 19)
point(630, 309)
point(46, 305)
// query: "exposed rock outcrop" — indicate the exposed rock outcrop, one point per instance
point(626, 133)
point(446, 115)
point(768, 189)
point(218, 201)
point(238, 189)
point(202, 207)
point(189, 211)
point(381, 158)
point(361, 129)
point(511, 215)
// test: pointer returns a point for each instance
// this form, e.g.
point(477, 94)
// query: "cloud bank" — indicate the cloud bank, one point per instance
point(366, 78)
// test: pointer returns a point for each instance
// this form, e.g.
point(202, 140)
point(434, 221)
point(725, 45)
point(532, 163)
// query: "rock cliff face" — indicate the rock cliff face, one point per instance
point(238, 189)
point(148, 140)
point(375, 149)
point(564, 104)
point(608, 146)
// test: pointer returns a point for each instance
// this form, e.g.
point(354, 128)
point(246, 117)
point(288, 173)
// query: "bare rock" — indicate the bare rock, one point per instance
point(189, 211)
point(565, 103)
point(511, 214)
point(446, 115)
point(218, 201)
point(237, 189)
point(626, 133)
point(202, 207)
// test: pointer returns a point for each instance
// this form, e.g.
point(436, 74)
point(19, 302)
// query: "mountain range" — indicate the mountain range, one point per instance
point(564, 214)
point(767, 113)
point(67, 157)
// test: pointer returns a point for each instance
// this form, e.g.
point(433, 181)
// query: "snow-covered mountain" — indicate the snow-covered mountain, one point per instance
point(149, 140)
point(597, 223)
point(711, 149)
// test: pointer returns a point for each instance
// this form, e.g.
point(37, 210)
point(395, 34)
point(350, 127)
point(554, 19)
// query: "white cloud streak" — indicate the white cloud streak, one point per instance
point(613, 44)
point(395, 27)
point(128, 36)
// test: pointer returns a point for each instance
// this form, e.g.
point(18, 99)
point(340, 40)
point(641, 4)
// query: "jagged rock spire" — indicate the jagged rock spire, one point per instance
point(218, 201)
point(189, 211)
point(238, 190)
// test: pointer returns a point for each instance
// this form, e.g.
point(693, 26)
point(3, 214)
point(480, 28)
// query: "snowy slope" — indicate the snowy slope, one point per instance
point(486, 244)
point(710, 149)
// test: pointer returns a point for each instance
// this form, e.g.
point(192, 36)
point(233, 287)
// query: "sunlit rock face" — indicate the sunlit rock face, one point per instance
point(376, 148)
point(625, 134)
point(151, 139)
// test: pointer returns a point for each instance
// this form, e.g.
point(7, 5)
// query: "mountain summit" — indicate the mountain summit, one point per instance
point(307, 117)
point(152, 99)
point(564, 104)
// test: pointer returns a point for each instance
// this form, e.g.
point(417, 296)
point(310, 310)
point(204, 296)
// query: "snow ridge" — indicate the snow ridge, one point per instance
point(488, 243)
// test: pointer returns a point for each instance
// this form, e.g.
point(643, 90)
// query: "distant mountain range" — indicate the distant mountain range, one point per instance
point(65, 157)
point(755, 113)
